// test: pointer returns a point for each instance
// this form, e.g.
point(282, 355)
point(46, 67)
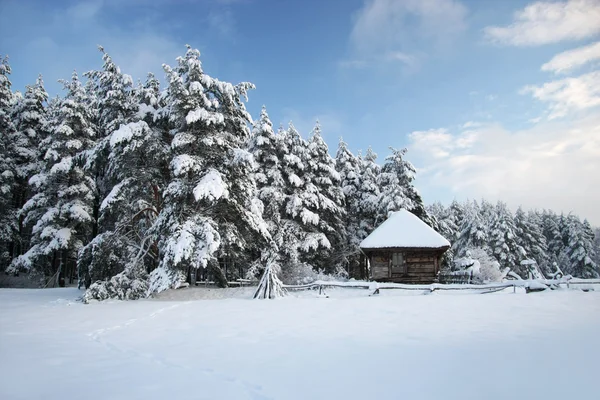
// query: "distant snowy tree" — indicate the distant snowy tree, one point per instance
point(596, 244)
point(579, 250)
point(369, 193)
point(210, 206)
point(349, 168)
point(129, 212)
point(473, 232)
point(397, 189)
point(446, 226)
point(324, 185)
point(31, 127)
point(300, 226)
point(60, 209)
point(503, 240)
point(8, 211)
point(266, 148)
point(445, 219)
point(553, 235)
point(113, 103)
point(531, 237)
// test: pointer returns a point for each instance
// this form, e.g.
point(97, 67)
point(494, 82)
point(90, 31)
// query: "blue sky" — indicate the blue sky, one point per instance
point(494, 99)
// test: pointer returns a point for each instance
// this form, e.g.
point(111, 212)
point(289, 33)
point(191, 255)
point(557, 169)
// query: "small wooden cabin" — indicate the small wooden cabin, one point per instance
point(404, 249)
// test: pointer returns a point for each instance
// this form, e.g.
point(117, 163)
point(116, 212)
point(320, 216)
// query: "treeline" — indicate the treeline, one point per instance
point(133, 188)
point(552, 240)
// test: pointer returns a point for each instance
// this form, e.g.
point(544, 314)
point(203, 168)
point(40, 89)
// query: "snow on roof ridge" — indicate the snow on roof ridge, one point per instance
point(404, 229)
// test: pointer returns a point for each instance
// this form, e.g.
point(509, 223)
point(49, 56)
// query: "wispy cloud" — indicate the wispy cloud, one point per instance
point(569, 60)
point(552, 164)
point(386, 31)
point(549, 22)
point(568, 95)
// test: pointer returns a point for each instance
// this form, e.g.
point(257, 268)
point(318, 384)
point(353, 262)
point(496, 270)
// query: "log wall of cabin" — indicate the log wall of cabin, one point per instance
point(421, 266)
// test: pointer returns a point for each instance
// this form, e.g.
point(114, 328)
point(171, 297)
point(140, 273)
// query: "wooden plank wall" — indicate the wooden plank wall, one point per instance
point(380, 266)
point(421, 267)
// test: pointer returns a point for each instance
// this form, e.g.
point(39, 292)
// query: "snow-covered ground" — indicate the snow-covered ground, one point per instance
point(399, 345)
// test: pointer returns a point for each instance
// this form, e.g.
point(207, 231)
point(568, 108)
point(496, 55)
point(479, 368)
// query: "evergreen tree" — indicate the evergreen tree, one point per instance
point(553, 235)
point(266, 148)
point(397, 189)
point(300, 225)
point(369, 193)
point(473, 233)
point(456, 214)
point(31, 126)
point(536, 245)
point(8, 216)
point(447, 227)
point(596, 245)
point(349, 168)
point(579, 250)
point(210, 209)
point(112, 102)
point(60, 209)
point(325, 185)
point(503, 240)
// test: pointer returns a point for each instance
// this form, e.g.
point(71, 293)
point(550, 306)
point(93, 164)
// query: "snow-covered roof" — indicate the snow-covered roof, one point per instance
point(404, 229)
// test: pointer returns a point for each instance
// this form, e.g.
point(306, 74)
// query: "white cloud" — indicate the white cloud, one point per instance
point(571, 59)
point(383, 30)
point(549, 22)
point(471, 124)
point(551, 165)
point(568, 94)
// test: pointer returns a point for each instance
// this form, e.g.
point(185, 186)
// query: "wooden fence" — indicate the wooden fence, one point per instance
point(528, 285)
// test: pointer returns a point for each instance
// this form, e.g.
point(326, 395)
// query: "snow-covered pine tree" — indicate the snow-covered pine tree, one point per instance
point(597, 245)
point(369, 193)
point(113, 103)
point(324, 184)
point(531, 238)
point(487, 212)
point(120, 259)
point(456, 214)
point(398, 191)
point(446, 227)
point(553, 235)
point(210, 209)
point(31, 127)
point(349, 168)
point(579, 250)
point(266, 148)
point(8, 212)
point(445, 219)
point(61, 206)
point(473, 232)
point(503, 240)
point(300, 221)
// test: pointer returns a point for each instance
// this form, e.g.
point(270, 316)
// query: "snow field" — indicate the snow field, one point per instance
point(347, 346)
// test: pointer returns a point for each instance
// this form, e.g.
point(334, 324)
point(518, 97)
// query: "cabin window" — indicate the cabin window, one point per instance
point(398, 264)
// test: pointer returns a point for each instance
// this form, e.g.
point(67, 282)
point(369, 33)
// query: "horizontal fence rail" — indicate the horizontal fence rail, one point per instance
point(531, 285)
